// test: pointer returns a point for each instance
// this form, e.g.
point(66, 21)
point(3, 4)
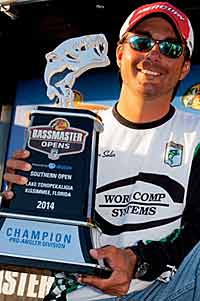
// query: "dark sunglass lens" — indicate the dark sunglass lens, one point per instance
point(140, 43)
point(171, 49)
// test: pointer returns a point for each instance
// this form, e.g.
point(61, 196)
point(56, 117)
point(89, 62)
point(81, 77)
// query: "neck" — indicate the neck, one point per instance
point(143, 109)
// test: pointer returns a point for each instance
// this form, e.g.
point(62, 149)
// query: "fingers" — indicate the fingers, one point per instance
point(93, 281)
point(109, 254)
point(15, 179)
point(94, 253)
point(103, 252)
point(13, 164)
point(97, 282)
point(120, 262)
point(116, 285)
point(17, 163)
point(6, 198)
point(8, 195)
point(21, 154)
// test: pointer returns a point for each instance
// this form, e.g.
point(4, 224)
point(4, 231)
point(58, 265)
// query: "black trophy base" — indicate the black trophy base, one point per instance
point(42, 267)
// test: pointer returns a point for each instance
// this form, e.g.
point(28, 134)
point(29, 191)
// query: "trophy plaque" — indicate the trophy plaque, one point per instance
point(50, 224)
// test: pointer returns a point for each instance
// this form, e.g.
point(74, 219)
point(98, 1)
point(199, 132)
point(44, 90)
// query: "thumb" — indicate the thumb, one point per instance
point(94, 253)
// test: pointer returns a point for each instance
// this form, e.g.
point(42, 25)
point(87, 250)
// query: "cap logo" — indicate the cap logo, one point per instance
point(163, 7)
point(180, 20)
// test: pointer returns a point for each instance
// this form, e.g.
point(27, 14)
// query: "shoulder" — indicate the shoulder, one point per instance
point(187, 121)
point(187, 115)
point(107, 116)
point(105, 113)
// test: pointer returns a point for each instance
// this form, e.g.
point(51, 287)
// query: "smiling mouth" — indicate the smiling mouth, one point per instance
point(149, 72)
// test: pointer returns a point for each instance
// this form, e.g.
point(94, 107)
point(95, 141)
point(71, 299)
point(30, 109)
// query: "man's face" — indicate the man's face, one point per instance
point(151, 73)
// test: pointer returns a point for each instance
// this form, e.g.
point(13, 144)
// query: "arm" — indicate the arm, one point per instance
point(172, 250)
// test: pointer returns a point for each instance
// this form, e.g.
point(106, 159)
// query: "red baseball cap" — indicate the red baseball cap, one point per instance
point(178, 18)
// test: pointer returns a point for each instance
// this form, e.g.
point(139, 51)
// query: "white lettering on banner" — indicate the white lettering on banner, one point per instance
point(31, 286)
point(8, 287)
point(24, 285)
point(44, 287)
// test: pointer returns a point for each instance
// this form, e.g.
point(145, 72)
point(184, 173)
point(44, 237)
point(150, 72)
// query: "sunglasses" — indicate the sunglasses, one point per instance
point(169, 48)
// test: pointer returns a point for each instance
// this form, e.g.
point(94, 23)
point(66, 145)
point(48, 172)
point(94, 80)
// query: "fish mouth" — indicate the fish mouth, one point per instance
point(100, 49)
point(97, 43)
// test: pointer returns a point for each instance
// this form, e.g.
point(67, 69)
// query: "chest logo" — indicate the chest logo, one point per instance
point(173, 154)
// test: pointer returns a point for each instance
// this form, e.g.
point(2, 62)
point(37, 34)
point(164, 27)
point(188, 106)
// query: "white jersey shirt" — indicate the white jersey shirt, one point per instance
point(142, 178)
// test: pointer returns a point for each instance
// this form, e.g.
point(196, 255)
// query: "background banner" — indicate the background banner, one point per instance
point(29, 31)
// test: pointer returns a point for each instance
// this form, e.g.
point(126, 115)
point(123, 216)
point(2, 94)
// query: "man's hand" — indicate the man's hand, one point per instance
point(121, 262)
point(16, 163)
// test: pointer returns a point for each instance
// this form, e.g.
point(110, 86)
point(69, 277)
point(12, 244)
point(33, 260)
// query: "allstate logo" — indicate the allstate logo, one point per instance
point(52, 165)
point(191, 98)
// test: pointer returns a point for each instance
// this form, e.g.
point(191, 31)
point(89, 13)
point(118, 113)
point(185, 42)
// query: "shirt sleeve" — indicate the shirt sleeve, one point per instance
point(172, 249)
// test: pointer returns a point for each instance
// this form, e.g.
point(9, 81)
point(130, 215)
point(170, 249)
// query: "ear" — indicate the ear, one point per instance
point(119, 53)
point(185, 69)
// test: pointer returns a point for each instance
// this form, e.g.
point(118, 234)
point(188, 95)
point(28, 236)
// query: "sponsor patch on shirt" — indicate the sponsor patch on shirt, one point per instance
point(173, 154)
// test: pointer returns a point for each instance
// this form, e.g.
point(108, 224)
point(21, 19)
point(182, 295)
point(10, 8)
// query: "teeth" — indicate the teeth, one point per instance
point(150, 72)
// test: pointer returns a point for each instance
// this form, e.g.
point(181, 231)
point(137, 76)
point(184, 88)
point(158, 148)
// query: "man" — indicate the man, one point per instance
point(147, 191)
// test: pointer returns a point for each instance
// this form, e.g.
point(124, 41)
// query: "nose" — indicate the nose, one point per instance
point(154, 52)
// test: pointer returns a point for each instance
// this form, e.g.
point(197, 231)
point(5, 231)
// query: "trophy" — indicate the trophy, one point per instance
point(50, 224)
